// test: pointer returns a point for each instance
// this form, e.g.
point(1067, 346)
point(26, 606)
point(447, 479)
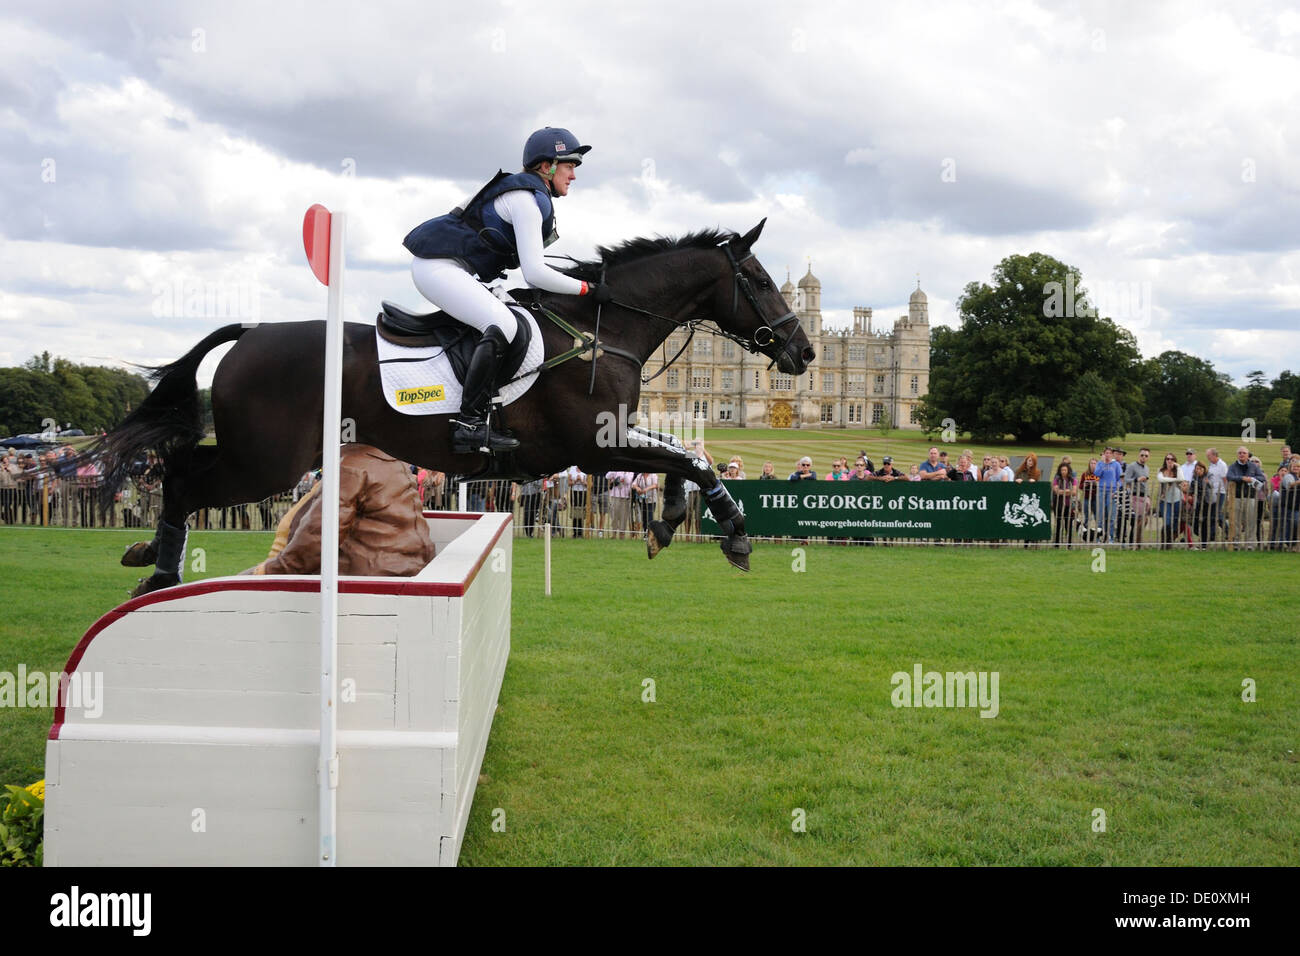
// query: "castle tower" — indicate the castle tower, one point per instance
point(918, 309)
point(810, 294)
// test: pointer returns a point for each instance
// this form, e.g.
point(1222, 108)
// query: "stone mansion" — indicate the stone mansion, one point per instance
point(861, 376)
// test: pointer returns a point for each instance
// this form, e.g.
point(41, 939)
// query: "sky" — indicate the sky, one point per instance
point(156, 160)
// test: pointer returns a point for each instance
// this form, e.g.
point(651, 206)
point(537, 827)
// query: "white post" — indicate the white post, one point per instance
point(546, 555)
point(328, 764)
point(464, 496)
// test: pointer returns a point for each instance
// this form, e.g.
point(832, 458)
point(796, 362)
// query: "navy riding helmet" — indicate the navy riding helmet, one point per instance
point(555, 144)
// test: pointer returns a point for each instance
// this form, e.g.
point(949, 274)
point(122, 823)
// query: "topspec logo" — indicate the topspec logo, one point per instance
point(80, 691)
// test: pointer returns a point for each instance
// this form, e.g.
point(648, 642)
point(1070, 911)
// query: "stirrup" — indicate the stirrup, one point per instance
point(468, 437)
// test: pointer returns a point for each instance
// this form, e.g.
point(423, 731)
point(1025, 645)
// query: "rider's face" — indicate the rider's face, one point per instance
point(565, 173)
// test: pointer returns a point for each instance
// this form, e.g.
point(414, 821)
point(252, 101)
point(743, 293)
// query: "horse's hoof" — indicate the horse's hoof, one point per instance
point(142, 554)
point(155, 582)
point(740, 561)
point(657, 537)
point(736, 549)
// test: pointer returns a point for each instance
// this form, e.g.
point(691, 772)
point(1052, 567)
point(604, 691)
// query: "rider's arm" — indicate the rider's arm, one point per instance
point(519, 208)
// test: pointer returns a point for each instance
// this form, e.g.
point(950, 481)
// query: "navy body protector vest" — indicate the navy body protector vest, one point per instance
point(476, 234)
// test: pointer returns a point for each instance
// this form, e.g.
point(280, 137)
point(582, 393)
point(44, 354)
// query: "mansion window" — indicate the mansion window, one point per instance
point(877, 413)
point(728, 379)
point(756, 385)
point(704, 345)
point(672, 345)
point(828, 414)
point(855, 413)
point(915, 417)
point(670, 378)
point(828, 383)
point(857, 353)
point(701, 378)
point(879, 388)
point(782, 383)
point(856, 383)
point(726, 412)
point(701, 409)
point(728, 349)
point(828, 354)
point(916, 384)
point(671, 406)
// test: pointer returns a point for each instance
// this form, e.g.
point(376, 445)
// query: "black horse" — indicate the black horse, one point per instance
point(267, 396)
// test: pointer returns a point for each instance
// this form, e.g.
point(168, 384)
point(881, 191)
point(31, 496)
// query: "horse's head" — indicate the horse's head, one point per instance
point(749, 307)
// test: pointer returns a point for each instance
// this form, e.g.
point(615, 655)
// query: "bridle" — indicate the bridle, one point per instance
point(741, 284)
point(763, 336)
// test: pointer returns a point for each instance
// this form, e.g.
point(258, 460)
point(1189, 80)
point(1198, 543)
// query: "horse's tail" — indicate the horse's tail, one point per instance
point(168, 422)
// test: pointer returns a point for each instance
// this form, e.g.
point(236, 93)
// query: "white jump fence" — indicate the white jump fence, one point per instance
point(206, 749)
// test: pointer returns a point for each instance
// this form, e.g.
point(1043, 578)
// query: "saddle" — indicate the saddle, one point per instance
point(394, 324)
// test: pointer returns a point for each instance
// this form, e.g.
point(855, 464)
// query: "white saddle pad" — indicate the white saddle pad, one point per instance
point(419, 381)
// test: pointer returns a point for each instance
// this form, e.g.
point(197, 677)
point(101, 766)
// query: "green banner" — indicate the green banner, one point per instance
point(973, 510)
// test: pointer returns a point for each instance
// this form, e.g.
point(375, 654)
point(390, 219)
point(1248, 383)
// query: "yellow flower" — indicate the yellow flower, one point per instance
point(38, 790)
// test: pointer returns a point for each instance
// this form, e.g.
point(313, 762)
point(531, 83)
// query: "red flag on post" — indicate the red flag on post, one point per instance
point(316, 240)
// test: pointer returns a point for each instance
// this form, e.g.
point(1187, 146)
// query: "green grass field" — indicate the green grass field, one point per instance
point(1119, 691)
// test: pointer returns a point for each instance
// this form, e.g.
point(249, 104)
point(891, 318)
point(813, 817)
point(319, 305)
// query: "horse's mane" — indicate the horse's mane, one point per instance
point(640, 248)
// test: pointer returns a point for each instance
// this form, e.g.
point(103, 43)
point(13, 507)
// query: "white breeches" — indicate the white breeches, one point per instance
point(448, 286)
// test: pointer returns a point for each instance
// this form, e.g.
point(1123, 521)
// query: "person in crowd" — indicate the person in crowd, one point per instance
point(647, 486)
point(1089, 513)
point(887, 471)
point(1029, 470)
point(838, 472)
point(974, 470)
point(740, 467)
point(1063, 488)
point(1218, 474)
point(932, 469)
point(963, 470)
point(1261, 498)
point(530, 500)
point(555, 498)
point(732, 472)
point(1285, 464)
point(994, 470)
point(1243, 478)
point(1185, 470)
point(1172, 488)
point(10, 468)
point(1108, 474)
point(1135, 497)
point(803, 471)
point(914, 474)
point(1289, 506)
point(577, 479)
point(769, 472)
point(382, 530)
point(692, 490)
point(1198, 490)
point(620, 502)
point(860, 472)
point(1007, 473)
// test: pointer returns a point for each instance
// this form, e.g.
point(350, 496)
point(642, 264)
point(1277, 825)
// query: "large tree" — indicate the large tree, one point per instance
point(1176, 383)
point(1024, 342)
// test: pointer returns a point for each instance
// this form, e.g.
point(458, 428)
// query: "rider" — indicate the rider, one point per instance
point(506, 225)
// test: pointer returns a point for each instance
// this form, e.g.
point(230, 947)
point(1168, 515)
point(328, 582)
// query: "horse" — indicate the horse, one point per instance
point(267, 396)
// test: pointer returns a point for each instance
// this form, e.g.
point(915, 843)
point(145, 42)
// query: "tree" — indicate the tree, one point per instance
point(1286, 385)
point(1278, 417)
point(1091, 413)
point(1186, 425)
point(1293, 430)
point(1024, 343)
point(1176, 382)
point(1164, 425)
point(1257, 395)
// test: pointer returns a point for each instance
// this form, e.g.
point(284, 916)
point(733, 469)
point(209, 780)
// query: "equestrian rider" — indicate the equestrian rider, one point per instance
point(505, 226)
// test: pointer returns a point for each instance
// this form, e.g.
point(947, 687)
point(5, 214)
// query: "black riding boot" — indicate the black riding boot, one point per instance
point(469, 431)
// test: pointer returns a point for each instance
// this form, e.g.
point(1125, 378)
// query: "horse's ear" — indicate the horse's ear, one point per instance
point(748, 239)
